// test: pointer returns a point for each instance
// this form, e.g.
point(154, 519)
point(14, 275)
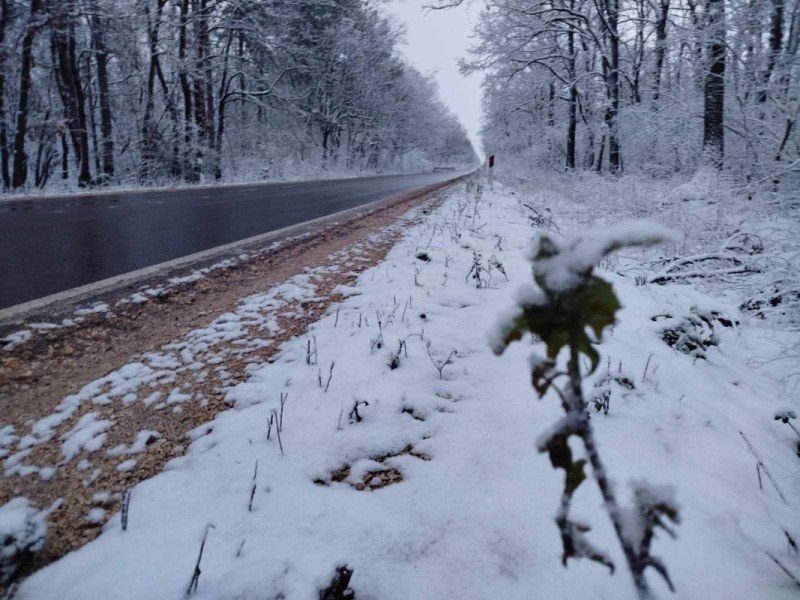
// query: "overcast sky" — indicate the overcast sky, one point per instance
point(436, 40)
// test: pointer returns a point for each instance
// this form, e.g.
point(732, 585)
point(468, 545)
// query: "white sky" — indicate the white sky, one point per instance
point(436, 40)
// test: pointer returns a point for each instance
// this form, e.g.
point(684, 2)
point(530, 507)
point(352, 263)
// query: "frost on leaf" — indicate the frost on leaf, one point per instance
point(569, 293)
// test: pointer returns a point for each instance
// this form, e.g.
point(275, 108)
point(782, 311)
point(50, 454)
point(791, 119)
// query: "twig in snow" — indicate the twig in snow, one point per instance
point(337, 316)
point(339, 424)
point(241, 547)
point(420, 335)
point(284, 398)
point(253, 489)
point(330, 375)
point(760, 466)
point(792, 543)
point(789, 574)
point(394, 359)
point(354, 415)
point(196, 574)
point(376, 343)
point(494, 263)
point(647, 364)
point(311, 352)
point(126, 503)
point(786, 415)
point(274, 417)
point(476, 271)
point(440, 364)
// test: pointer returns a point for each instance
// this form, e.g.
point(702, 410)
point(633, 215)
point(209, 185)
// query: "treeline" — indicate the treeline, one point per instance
point(96, 92)
point(660, 86)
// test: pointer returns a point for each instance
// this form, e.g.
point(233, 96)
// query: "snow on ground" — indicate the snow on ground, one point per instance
point(22, 534)
point(391, 439)
point(197, 353)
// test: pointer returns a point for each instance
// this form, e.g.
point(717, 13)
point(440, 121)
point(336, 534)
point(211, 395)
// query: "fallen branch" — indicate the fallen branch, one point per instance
point(760, 466)
point(665, 277)
point(196, 574)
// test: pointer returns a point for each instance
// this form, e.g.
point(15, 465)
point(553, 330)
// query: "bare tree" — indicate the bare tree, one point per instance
point(714, 87)
point(20, 172)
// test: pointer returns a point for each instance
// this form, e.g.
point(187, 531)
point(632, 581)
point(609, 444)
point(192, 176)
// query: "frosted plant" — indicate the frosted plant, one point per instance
point(568, 309)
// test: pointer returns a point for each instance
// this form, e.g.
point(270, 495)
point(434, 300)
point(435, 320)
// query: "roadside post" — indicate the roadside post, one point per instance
point(491, 172)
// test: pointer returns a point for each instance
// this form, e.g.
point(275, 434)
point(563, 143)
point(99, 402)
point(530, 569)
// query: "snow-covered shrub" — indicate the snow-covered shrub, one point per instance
point(695, 333)
point(568, 302)
point(600, 395)
point(22, 534)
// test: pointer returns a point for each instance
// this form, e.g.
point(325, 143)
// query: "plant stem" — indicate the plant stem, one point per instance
point(576, 407)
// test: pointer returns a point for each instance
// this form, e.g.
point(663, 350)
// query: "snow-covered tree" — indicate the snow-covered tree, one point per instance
point(146, 91)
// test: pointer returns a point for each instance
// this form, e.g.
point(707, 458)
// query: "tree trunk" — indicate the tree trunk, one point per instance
point(612, 83)
point(64, 155)
point(660, 48)
point(600, 150)
point(572, 109)
point(4, 154)
point(207, 72)
point(222, 102)
point(714, 88)
point(104, 96)
point(189, 172)
point(775, 44)
point(92, 104)
point(149, 131)
point(638, 52)
point(697, 63)
point(72, 94)
point(20, 172)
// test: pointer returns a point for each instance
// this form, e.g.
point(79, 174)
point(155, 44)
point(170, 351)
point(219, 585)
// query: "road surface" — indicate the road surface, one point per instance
point(51, 245)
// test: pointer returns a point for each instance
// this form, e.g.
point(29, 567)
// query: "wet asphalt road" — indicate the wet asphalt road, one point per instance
point(52, 245)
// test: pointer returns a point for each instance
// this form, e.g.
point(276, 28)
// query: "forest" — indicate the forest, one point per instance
point(655, 87)
point(146, 92)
